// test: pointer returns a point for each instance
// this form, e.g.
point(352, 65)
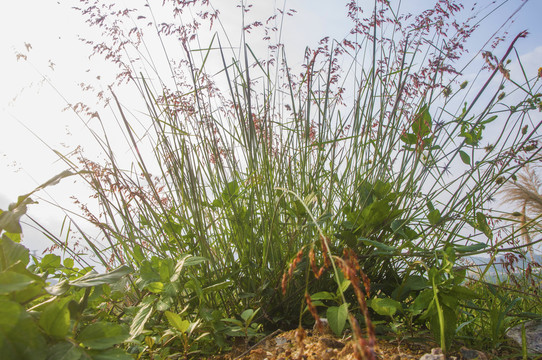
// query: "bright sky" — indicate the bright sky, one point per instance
point(32, 122)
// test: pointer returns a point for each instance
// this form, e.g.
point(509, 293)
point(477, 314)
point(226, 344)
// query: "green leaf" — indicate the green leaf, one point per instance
point(410, 283)
point(9, 219)
point(50, 261)
point(102, 335)
point(378, 245)
point(336, 316)
point(224, 285)
point(11, 252)
point(421, 126)
point(463, 292)
point(55, 319)
point(59, 288)
point(409, 139)
point(342, 287)
point(248, 315)
point(92, 278)
point(177, 322)
point(165, 303)
point(450, 324)
point(385, 306)
point(465, 157)
point(434, 217)
point(416, 282)
point(65, 351)
point(68, 263)
point(323, 295)
point(186, 260)
point(470, 248)
point(482, 225)
point(55, 180)
point(110, 354)
point(234, 321)
point(20, 337)
point(230, 193)
point(23, 292)
point(488, 120)
point(194, 260)
point(143, 314)
point(13, 236)
point(155, 287)
point(422, 301)
point(11, 281)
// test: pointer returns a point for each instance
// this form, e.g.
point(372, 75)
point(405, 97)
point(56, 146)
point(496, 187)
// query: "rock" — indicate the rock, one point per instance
point(436, 354)
point(326, 329)
point(331, 343)
point(533, 335)
point(470, 354)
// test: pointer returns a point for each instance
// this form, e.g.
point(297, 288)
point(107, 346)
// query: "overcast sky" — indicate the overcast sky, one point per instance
point(32, 123)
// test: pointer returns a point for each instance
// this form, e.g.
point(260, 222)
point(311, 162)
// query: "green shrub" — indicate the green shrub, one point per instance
point(378, 145)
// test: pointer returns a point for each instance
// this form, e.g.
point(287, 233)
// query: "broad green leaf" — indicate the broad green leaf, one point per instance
point(55, 318)
point(155, 287)
point(336, 316)
point(11, 281)
point(421, 126)
point(56, 179)
point(13, 236)
point(482, 225)
point(464, 157)
point(234, 321)
point(463, 292)
point(110, 354)
point(102, 335)
point(488, 120)
point(194, 260)
point(224, 285)
point(65, 351)
point(448, 298)
point(11, 252)
point(20, 337)
point(24, 293)
point(59, 288)
point(186, 260)
point(378, 245)
point(137, 252)
point(68, 263)
point(434, 217)
point(177, 322)
point(230, 193)
point(165, 303)
point(9, 219)
point(50, 261)
point(92, 278)
point(416, 282)
point(249, 314)
point(409, 139)
point(450, 324)
point(422, 301)
point(165, 270)
point(143, 314)
point(469, 248)
point(344, 285)
point(411, 283)
point(385, 306)
point(323, 295)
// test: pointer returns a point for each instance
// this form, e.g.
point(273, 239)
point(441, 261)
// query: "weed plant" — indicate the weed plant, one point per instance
point(265, 174)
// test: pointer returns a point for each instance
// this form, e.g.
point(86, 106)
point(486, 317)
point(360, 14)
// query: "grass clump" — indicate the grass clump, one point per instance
point(256, 189)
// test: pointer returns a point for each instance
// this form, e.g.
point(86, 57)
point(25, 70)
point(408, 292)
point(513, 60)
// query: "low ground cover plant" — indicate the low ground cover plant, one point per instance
point(262, 196)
